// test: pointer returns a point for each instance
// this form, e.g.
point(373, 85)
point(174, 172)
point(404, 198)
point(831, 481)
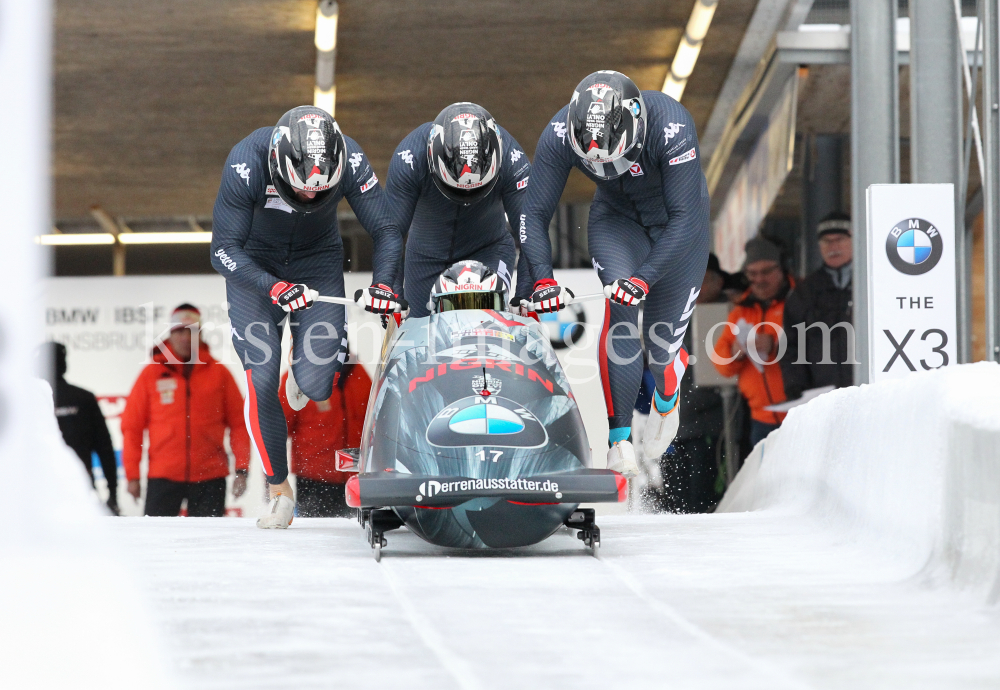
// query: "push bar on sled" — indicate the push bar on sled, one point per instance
point(347, 302)
point(575, 298)
point(393, 489)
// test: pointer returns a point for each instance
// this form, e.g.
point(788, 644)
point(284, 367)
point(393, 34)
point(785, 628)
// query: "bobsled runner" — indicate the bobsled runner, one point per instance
point(473, 438)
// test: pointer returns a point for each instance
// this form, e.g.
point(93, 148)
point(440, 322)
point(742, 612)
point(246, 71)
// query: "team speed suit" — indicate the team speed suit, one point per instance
point(442, 232)
point(650, 223)
point(257, 241)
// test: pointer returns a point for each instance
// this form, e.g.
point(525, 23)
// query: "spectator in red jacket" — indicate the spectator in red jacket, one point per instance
point(317, 432)
point(186, 403)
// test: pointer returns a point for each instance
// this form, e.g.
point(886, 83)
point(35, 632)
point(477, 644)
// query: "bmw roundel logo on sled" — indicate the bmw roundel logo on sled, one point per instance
point(914, 246)
point(486, 421)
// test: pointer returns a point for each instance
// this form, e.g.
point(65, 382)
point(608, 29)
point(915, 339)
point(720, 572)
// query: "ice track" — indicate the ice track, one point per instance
point(743, 600)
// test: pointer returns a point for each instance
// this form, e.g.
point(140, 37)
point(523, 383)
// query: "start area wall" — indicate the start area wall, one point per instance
point(109, 326)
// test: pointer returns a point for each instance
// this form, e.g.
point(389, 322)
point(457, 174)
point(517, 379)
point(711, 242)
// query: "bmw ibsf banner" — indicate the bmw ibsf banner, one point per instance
point(912, 319)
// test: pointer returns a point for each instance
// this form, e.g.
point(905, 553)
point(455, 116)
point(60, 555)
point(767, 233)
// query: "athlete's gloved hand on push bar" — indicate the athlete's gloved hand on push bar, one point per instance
point(292, 297)
point(549, 296)
point(378, 299)
point(627, 291)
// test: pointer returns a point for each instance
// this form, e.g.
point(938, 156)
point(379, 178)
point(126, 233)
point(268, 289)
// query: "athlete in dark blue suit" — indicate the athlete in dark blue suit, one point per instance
point(276, 241)
point(453, 184)
point(648, 235)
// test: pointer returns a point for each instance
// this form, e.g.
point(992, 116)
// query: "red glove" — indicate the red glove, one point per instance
point(292, 297)
point(549, 296)
point(628, 291)
point(378, 299)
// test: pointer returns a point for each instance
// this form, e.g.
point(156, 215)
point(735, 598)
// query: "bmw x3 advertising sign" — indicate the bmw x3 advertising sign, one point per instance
point(911, 279)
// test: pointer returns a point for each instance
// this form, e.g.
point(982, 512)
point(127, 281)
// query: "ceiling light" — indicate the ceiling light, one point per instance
point(64, 239)
point(690, 46)
point(326, 26)
point(165, 237)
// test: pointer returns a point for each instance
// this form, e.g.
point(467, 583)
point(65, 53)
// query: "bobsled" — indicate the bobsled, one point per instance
point(473, 438)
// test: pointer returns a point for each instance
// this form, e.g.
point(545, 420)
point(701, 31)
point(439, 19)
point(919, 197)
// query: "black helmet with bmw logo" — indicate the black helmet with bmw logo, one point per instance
point(307, 154)
point(468, 285)
point(606, 123)
point(464, 153)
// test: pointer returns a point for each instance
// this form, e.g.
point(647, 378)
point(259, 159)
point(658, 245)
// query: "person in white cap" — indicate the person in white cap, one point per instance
point(186, 400)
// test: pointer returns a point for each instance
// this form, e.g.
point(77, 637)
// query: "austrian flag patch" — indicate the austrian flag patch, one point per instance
point(521, 184)
point(372, 181)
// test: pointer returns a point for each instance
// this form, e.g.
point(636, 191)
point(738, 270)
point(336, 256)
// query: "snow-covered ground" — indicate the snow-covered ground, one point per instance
point(752, 600)
point(858, 548)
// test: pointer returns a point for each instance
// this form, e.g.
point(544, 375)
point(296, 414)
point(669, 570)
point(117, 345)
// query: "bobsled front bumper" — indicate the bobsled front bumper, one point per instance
point(392, 489)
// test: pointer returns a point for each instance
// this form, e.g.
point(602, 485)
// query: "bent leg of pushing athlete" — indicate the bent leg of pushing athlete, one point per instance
point(619, 246)
point(318, 348)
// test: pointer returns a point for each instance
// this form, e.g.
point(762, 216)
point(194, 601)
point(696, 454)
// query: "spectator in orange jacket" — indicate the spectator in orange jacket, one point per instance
point(755, 361)
point(186, 404)
point(317, 432)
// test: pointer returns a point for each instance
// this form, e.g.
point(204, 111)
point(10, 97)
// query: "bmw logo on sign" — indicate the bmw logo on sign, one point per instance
point(486, 421)
point(914, 246)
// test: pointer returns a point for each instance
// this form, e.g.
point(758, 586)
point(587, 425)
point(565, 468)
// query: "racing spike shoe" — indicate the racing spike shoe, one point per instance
point(621, 459)
point(661, 427)
point(280, 512)
point(296, 398)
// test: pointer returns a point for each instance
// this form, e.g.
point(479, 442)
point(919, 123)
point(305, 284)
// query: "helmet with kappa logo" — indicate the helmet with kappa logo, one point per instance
point(306, 158)
point(606, 123)
point(464, 153)
point(469, 285)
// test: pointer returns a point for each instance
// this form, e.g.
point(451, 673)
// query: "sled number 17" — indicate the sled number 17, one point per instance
point(482, 455)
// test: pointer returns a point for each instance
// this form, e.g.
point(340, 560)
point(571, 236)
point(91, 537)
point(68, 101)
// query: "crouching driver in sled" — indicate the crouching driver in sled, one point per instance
point(469, 285)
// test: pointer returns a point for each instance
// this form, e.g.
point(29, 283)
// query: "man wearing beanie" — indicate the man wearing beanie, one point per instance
point(80, 420)
point(186, 400)
point(752, 355)
point(821, 300)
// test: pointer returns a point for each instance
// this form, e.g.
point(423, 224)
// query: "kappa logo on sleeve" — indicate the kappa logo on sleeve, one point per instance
point(407, 157)
point(670, 130)
point(372, 181)
point(521, 184)
point(243, 171)
point(515, 156)
point(690, 155)
point(355, 161)
point(560, 129)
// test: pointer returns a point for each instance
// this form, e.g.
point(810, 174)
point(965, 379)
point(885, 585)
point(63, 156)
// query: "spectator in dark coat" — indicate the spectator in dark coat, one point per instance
point(823, 297)
point(81, 420)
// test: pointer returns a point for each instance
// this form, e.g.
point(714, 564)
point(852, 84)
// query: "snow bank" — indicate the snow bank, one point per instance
point(73, 616)
point(910, 467)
